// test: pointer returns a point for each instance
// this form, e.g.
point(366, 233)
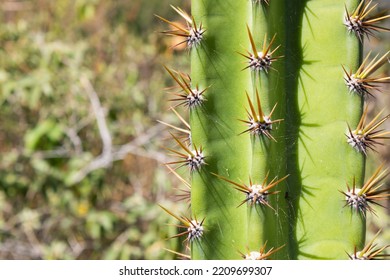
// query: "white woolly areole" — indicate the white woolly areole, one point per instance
point(353, 24)
point(194, 38)
point(358, 258)
point(253, 256)
point(260, 127)
point(195, 230)
point(195, 98)
point(195, 162)
point(260, 63)
point(355, 85)
point(357, 140)
point(256, 189)
point(355, 200)
point(257, 193)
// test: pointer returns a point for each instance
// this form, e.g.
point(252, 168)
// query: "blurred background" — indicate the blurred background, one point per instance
point(81, 151)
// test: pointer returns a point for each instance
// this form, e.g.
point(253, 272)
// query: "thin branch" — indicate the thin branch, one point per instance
point(75, 140)
point(105, 158)
point(98, 110)
point(109, 153)
point(133, 146)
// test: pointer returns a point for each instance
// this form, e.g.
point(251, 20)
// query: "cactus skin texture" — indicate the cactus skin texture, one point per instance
point(293, 61)
point(215, 125)
point(323, 162)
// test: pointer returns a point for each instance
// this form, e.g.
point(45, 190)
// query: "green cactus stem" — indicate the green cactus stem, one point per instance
point(323, 161)
point(279, 133)
point(214, 125)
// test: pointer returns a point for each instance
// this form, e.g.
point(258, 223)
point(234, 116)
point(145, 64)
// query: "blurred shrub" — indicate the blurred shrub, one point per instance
point(49, 132)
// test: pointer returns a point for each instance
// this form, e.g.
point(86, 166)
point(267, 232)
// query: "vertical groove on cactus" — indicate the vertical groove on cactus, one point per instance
point(278, 235)
point(289, 28)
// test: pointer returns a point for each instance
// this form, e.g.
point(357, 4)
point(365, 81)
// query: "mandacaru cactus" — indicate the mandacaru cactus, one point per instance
point(278, 130)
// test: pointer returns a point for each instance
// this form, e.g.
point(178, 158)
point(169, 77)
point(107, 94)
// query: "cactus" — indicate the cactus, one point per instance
point(278, 136)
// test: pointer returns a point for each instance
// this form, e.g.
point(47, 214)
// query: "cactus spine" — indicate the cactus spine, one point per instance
point(285, 177)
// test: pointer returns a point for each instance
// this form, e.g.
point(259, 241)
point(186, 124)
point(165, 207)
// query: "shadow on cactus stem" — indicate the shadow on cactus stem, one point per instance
point(293, 122)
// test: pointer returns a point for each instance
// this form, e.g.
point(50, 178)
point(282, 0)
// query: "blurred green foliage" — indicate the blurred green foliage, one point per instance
point(49, 132)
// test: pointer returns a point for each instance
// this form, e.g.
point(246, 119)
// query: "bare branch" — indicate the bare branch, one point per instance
point(133, 146)
point(109, 153)
point(98, 110)
point(105, 158)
